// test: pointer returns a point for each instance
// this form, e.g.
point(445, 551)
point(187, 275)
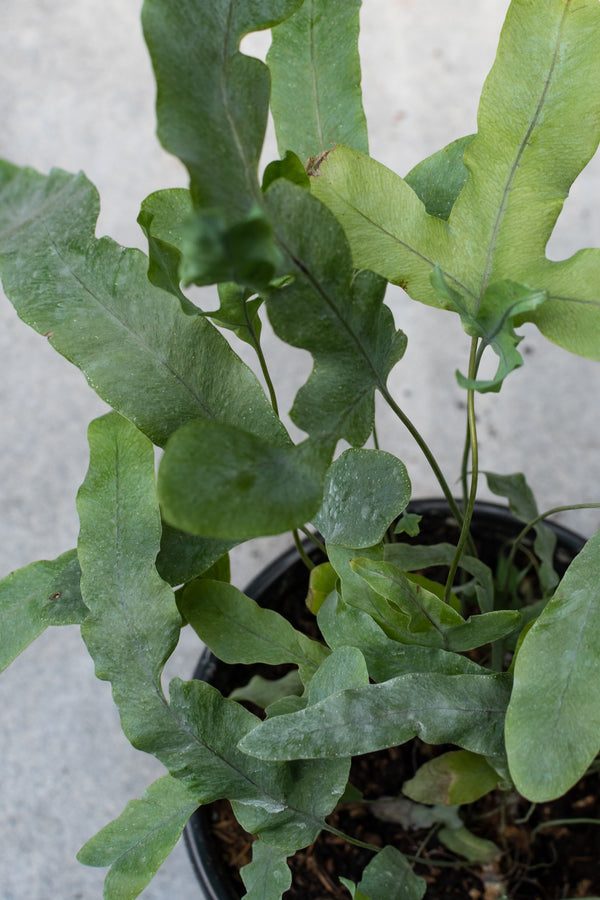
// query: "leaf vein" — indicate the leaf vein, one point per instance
point(417, 253)
point(314, 76)
point(518, 158)
point(132, 333)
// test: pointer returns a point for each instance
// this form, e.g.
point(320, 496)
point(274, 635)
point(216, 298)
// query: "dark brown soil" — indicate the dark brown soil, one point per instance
point(558, 862)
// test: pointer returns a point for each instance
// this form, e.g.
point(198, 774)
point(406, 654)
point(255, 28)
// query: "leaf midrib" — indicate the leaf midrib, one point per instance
point(300, 657)
point(111, 313)
point(332, 306)
point(160, 826)
point(239, 144)
point(417, 253)
point(388, 714)
point(313, 68)
point(518, 159)
point(559, 710)
point(146, 663)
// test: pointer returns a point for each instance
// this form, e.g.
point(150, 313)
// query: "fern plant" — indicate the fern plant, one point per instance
point(311, 243)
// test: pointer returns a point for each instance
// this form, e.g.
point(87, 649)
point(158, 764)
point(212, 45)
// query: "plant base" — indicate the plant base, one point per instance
point(547, 864)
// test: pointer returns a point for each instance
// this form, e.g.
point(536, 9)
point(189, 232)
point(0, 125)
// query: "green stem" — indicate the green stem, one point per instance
point(261, 358)
point(443, 863)
point(497, 658)
point(267, 377)
point(422, 444)
point(350, 840)
point(464, 468)
point(527, 815)
point(264, 368)
point(549, 512)
point(553, 822)
point(319, 544)
point(432, 831)
point(414, 859)
point(468, 511)
point(375, 437)
point(303, 554)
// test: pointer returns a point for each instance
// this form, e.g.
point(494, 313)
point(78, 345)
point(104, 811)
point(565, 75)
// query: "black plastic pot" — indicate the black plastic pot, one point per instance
point(492, 527)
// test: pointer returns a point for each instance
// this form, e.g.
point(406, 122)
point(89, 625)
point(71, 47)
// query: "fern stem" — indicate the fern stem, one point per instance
point(468, 511)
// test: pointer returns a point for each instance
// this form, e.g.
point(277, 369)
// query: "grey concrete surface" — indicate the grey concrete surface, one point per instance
point(75, 91)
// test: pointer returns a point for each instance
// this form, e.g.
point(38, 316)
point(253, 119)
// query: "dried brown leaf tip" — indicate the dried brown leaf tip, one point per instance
point(313, 163)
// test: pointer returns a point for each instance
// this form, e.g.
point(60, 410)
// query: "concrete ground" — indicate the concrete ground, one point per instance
point(76, 91)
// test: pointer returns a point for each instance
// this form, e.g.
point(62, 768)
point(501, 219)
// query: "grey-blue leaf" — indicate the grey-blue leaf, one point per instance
point(137, 843)
point(364, 492)
point(467, 710)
